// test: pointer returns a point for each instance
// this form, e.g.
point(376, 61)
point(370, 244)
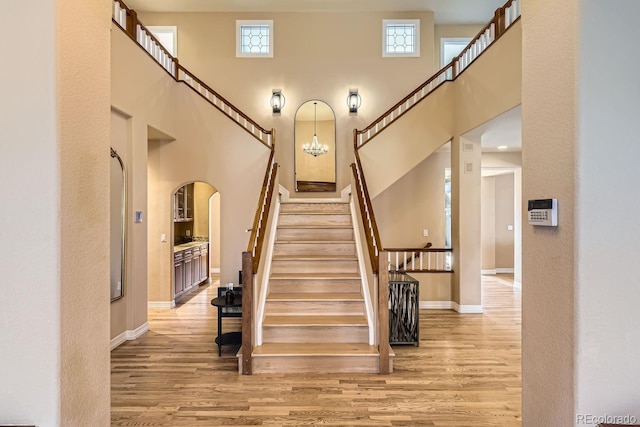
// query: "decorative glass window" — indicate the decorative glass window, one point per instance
point(254, 39)
point(167, 36)
point(401, 37)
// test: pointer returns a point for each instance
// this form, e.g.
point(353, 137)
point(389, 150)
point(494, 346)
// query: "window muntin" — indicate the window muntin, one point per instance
point(401, 37)
point(254, 39)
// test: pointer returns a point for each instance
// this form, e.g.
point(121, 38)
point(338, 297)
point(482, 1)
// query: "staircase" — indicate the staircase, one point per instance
point(315, 317)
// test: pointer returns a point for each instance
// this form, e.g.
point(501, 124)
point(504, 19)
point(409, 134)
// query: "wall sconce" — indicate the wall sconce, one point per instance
point(277, 101)
point(354, 101)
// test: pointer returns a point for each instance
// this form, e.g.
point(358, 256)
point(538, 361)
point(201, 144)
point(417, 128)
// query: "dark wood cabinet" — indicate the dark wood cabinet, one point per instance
point(190, 267)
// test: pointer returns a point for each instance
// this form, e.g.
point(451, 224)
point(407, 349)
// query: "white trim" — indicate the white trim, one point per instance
point(488, 272)
point(467, 309)
point(239, 24)
point(517, 285)
point(285, 197)
point(215, 270)
point(416, 38)
point(504, 270)
point(262, 302)
point(161, 304)
point(368, 303)
point(130, 335)
point(436, 305)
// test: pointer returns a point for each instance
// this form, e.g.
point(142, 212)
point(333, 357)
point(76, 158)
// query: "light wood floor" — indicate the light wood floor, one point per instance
point(465, 373)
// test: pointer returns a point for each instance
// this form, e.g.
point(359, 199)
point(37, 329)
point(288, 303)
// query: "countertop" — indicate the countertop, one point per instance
point(189, 245)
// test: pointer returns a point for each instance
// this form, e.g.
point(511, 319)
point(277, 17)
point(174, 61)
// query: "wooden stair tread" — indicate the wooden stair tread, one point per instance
point(313, 242)
point(315, 258)
point(315, 349)
point(311, 226)
point(315, 321)
point(345, 296)
point(315, 276)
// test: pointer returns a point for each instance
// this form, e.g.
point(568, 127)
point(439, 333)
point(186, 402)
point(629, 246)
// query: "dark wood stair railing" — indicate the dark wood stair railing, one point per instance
point(504, 17)
point(127, 19)
point(251, 260)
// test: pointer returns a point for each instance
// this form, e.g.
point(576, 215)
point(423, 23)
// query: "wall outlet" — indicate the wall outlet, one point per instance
point(510, 227)
point(163, 238)
point(425, 233)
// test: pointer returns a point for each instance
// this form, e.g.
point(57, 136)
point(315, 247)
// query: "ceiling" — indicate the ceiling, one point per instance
point(503, 130)
point(445, 11)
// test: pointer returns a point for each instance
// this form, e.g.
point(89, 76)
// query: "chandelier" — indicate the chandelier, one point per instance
point(315, 149)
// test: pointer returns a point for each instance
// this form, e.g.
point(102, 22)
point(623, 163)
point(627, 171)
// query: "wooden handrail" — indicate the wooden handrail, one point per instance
point(418, 249)
point(366, 211)
point(226, 103)
point(405, 99)
point(388, 117)
point(262, 212)
point(233, 113)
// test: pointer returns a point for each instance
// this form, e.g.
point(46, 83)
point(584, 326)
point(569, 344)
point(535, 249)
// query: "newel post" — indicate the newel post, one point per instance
point(383, 312)
point(499, 21)
point(132, 23)
point(247, 312)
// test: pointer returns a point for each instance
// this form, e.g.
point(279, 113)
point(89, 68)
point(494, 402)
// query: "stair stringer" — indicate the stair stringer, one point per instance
point(266, 273)
point(362, 266)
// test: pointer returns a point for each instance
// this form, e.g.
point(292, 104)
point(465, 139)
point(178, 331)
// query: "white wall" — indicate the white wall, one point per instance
point(607, 228)
point(54, 228)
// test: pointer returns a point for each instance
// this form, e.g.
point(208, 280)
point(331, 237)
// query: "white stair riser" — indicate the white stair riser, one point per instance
point(316, 364)
point(346, 248)
point(315, 334)
point(314, 266)
point(339, 208)
point(310, 308)
point(314, 285)
point(302, 234)
point(319, 219)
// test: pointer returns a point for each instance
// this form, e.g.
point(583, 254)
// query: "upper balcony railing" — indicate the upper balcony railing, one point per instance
point(503, 18)
point(127, 19)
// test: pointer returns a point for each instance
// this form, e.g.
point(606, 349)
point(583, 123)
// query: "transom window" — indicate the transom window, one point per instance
point(401, 37)
point(254, 39)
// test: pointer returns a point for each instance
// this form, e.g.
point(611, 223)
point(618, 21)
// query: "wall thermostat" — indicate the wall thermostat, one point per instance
point(543, 212)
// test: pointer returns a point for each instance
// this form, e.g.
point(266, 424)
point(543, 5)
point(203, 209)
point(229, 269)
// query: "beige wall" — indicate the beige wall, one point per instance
point(321, 168)
point(580, 315)
point(413, 203)
point(201, 194)
point(206, 147)
point(54, 362)
point(488, 227)
point(305, 66)
point(504, 193)
point(549, 119)
point(214, 228)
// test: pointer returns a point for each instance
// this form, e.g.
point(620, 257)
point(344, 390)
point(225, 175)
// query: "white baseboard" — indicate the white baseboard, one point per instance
point(488, 272)
point(517, 285)
point(504, 270)
point(467, 309)
point(161, 304)
point(436, 305)
point(215, 270)
point(129, 335)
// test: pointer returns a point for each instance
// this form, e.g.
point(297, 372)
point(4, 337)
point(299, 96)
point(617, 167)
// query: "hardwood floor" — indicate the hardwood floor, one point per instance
point(465, 373)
